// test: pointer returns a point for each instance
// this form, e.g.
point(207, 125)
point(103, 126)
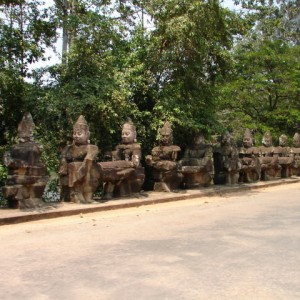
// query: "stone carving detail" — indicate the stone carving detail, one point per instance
point(124, 175)
point(163, 161)
point(27, 177)
point(285, 157)
point(197, 164)
point(268, 158)
point(249, 156)
point(79, 172)
point(295, 150)
point(226, 161)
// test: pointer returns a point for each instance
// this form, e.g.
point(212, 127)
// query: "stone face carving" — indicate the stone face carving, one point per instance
point(163, 160)
point(197, 164)
point(124, 175)
point(226, 161)
point(295, 150)
point(249, 157)
point(285, 157)
point(79, 172)
point(268, 158)
point(27, 177)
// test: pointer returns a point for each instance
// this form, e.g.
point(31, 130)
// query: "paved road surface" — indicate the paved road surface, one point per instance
point(241, 246)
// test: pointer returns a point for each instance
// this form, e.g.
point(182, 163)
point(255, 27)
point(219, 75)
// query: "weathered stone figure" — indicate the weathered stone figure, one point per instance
point(268, 158)
point(285, 157)
point(296, 154)
point(27, 177)
point(124, 175)
point(163, 160)
point(79, 172)
point(197, 164)
point(226, 161)
point(249, 156)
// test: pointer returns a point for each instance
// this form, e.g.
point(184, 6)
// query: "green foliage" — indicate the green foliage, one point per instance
point(25, 30)
point(263, 90)
point(51, 193)
point(194, 63)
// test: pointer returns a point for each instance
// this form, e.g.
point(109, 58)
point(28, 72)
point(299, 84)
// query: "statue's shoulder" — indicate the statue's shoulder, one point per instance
point(175, 148)
point(255, 150)
point(92, 147)
point(156, 149)
point(136, 146)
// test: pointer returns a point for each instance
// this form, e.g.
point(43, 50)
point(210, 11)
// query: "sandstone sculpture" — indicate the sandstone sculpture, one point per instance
point(79, 172)
point(197, 164)
point(27, 177)
point(124, 175)
point(249, 156)
point(163, 161)
point(295, 150)
point(226, 161)
point(268, 158)
point(285, 157)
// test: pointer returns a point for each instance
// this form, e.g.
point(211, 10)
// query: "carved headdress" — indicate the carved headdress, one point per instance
point(167, 128)
point(26, 128)
point(248, 134)
point(81, 124)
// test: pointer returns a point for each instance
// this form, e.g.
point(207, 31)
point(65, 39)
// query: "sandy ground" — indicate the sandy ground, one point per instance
point(242, 246)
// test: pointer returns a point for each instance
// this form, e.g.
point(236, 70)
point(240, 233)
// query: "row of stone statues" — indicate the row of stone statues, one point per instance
point(81, 174)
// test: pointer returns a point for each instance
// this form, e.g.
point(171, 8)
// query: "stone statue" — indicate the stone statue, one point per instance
point(124, 175)
point(79, 172)
point(249, 156)
point(295, 150)
point(197, 164)
point(27, 177)
point(285, 157)
point(226, 161)
point(163, 161)
point(268, 158)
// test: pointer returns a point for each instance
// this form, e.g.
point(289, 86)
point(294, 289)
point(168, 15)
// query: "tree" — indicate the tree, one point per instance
point(263, 90)
point(25, 31)
point(187, 49)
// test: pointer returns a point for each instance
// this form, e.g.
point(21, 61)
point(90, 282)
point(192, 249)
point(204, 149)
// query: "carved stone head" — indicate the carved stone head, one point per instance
point(248, 139)
point(128, 132)
point(267, 139)
point(26, 128)
point(81, 132)
point(166, 134)
point(296, 140)
point(199, 139)
point(226, 139)
point(283, 140)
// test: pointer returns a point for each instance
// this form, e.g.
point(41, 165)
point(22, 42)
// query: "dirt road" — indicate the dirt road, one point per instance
point(242, 246)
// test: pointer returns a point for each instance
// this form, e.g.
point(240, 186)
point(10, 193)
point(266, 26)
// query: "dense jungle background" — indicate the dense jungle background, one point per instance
point(196, 63)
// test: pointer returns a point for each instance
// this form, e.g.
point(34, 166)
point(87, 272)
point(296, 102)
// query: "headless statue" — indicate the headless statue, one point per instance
point(197, 164)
